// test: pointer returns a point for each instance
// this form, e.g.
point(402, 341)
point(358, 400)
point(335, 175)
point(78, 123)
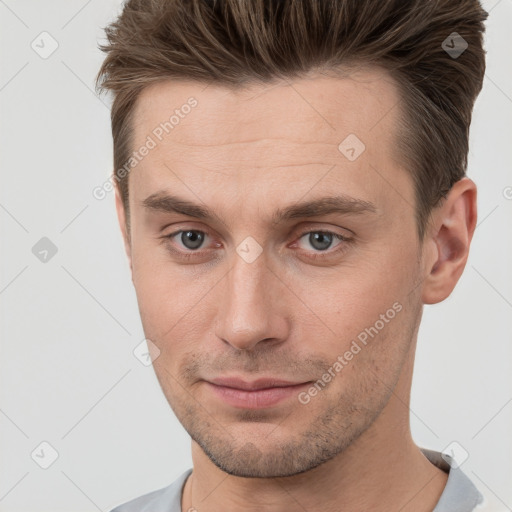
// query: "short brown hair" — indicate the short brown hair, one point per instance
point(237, 42)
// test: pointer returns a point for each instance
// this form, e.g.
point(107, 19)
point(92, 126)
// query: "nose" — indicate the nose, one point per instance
point(251, 306)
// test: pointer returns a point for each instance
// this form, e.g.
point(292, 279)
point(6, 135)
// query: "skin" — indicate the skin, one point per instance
point(243, 154)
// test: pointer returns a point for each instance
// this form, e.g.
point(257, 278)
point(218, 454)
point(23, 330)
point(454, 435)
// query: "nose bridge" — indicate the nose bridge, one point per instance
point(247, 312)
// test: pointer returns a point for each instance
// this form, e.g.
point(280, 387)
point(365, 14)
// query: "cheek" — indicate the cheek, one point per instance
point(357, 297)
point(157, 294)
point(367, 303)
point(175, 307)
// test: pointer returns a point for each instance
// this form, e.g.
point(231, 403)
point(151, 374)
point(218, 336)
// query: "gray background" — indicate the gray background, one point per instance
point(69, 324)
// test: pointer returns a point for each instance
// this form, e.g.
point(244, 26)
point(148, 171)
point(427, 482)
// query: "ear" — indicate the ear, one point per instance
point(121, 217)
point(447, 241)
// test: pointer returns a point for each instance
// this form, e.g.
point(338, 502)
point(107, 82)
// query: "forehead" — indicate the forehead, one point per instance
point(319, 105)
point(282, 136)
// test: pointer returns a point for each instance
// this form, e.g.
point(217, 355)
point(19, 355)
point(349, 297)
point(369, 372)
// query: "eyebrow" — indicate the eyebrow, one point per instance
point(339, 204)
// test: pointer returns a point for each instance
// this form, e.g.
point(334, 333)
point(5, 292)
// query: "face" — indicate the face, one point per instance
point(261, 248)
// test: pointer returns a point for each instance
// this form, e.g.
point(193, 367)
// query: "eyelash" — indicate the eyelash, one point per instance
point(319, 254)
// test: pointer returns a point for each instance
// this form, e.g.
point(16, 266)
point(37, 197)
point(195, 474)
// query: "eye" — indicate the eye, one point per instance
point(193, 243)
point(321, 241)
point(191, 239)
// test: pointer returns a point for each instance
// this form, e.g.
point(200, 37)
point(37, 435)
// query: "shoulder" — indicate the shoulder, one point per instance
point(460, 494)
point(138, 504)
point(166, 499)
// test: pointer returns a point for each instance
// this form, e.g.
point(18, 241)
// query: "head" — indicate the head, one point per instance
point(290, 186)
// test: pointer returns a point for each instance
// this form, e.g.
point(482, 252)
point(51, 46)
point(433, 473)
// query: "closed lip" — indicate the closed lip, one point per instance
point(263, 383)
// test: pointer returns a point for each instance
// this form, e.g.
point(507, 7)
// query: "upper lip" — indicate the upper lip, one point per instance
point(237, 383)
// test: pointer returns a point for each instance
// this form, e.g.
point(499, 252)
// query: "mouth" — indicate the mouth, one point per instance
point(259, 394)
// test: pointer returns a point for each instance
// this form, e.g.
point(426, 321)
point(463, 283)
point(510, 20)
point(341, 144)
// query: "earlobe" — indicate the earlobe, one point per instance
point(453, 225)
point(121, 217)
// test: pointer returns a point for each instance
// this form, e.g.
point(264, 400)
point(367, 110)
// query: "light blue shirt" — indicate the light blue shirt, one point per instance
point(459, 495)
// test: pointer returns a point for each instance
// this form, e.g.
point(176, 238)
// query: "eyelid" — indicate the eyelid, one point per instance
point(315, 229)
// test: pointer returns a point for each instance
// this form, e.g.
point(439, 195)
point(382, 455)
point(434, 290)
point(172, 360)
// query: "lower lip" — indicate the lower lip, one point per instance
point(256, 399)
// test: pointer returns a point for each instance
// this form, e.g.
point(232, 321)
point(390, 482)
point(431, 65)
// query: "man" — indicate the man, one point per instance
point(291, 190)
